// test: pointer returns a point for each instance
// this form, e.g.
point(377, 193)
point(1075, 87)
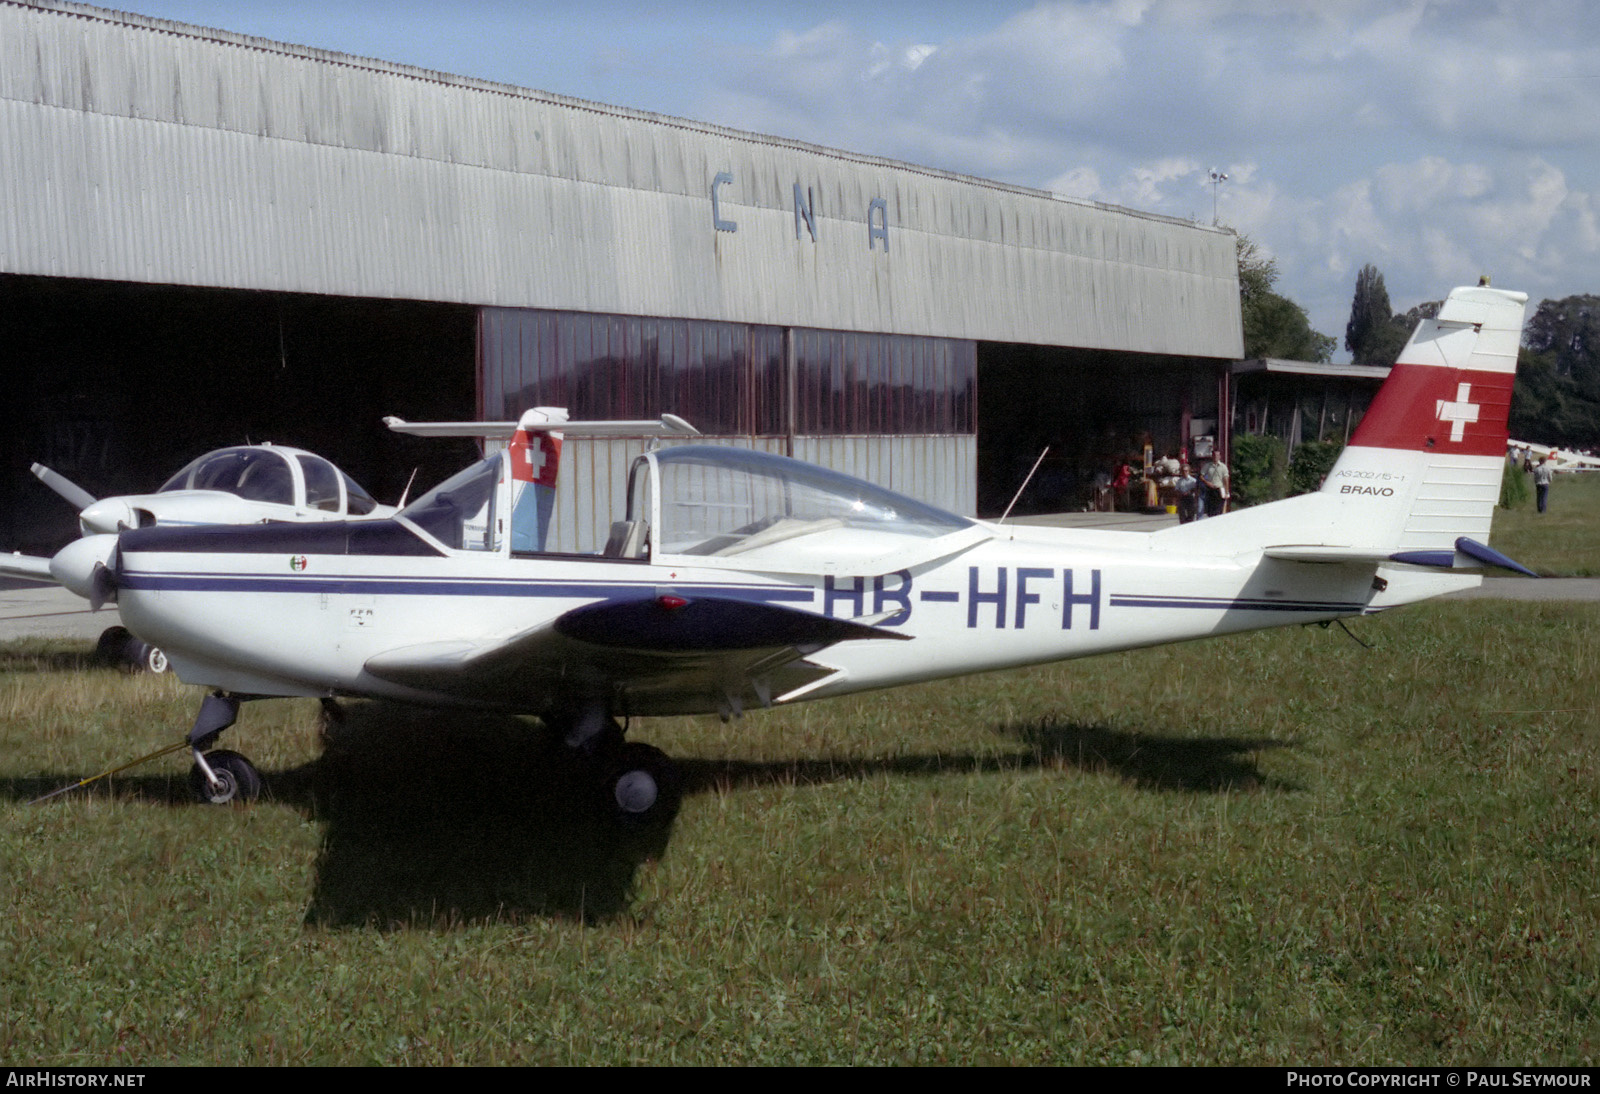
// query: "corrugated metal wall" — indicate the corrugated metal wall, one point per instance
point(141, 150)
point(594, 472)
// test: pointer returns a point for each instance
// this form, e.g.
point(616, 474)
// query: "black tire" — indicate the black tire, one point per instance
point(240, 781)
point(112, 649)
point(642, 786)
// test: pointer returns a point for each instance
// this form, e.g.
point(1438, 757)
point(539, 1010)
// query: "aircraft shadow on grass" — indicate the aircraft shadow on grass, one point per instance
point(1201, 765)
point(437, 819)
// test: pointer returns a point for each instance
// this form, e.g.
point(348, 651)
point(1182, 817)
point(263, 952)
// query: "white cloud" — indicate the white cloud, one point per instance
point(1435, 140)
point(1078, 182)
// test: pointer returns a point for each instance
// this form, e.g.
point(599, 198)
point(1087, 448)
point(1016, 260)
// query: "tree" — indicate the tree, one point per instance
point(1568, 332)
point(1557, 396)
point(1278, 327)
point(1274, 325)
point(1373, 335)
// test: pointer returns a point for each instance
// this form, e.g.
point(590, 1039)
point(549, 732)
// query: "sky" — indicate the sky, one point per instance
point(1435, 140)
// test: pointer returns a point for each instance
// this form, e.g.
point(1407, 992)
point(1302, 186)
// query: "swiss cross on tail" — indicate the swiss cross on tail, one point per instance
point(1458, 413)
point(535, 465)
point(1450, 390)
point(536, 457)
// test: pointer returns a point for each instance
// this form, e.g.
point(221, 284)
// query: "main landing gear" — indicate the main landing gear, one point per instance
point(117, 646)
point(635, 784)
point(219, 776)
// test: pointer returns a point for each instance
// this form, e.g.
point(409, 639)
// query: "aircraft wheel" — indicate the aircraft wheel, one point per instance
point(643, 785)
point(237, 777)
point(152, 659)
point(141, 656)
point(113, 645)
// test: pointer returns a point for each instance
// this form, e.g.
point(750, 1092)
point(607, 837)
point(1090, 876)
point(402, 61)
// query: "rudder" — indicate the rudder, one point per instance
point(1423, 468)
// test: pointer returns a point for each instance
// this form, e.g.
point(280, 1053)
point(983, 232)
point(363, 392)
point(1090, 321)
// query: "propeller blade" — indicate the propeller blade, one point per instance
point(76, 496)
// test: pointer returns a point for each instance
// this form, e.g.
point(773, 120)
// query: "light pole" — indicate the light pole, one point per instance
point(1217, 178)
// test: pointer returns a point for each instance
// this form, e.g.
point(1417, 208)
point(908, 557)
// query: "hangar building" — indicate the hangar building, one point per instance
point(208, 238)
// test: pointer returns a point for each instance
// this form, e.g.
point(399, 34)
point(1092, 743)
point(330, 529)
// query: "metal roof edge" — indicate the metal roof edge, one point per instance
point(411, 72)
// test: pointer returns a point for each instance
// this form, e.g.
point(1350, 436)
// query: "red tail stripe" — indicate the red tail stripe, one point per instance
point(1425, 408)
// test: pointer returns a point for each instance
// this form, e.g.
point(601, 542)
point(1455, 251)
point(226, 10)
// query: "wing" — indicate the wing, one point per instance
point(29, 566)
point(664, 655)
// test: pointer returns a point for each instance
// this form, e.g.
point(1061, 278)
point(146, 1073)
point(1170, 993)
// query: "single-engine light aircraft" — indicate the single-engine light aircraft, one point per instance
point(1561, 459)
point(246, 484)
point(739, 579)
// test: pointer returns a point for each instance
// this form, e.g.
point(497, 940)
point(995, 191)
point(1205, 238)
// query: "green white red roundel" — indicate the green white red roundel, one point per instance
point(297, 563)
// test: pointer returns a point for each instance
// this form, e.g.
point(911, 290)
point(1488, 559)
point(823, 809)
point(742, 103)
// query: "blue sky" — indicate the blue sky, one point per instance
point(1437, 141)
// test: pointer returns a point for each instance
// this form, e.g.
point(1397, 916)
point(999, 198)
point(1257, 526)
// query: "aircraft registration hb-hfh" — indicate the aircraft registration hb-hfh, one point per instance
point(740, 579)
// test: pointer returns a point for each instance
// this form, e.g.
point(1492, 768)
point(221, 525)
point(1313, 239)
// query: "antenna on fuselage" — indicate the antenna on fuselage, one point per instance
point(406, 493)
point(1017, 496)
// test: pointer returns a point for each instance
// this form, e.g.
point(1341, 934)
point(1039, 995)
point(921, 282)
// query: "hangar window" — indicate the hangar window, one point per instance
point(883, 384)
point(726, 378)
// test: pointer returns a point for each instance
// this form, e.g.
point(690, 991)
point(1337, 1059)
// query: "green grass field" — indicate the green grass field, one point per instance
point(1271, 848)
point(1562, 542)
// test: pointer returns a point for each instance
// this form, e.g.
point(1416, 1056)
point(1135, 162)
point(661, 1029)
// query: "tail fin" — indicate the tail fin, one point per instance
point(1424, 466)
point(535, 451)
point(1422, 471)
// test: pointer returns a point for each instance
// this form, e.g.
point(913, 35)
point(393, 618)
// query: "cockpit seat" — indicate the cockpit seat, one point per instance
point(627, 539)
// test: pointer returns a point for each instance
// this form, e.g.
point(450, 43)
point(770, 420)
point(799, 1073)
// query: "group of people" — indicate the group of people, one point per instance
point(1203, 495)
point(1543, 471)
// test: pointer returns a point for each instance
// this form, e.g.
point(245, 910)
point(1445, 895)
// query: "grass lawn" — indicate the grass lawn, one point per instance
point(1270, 848)
point(1564, 541)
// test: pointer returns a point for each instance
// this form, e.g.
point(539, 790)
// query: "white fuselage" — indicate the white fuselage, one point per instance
point(289, 623)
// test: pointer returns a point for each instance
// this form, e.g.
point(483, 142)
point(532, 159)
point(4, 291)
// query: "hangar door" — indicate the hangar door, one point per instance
point(1092, 408)
point(117, 385)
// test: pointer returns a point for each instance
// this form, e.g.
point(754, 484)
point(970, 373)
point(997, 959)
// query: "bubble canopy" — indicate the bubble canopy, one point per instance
point(729, 501)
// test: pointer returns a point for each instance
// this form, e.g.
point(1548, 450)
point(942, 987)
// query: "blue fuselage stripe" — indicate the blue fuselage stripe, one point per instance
point(415, 586)
point(1233, 604)
point(366, 584)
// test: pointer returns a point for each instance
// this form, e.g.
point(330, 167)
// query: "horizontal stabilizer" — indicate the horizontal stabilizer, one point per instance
point(1469, 554)
point(1321, 552)
point(668, 425)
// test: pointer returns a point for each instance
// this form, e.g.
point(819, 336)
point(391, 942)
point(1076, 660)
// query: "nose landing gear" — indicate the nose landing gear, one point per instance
point(220, 777)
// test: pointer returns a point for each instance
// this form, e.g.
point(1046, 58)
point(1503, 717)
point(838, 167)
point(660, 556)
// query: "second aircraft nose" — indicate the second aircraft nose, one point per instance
point(107, 516)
